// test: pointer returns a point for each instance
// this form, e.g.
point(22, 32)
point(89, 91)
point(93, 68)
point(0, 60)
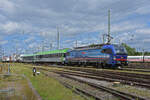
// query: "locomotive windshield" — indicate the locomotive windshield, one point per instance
point(120, 49)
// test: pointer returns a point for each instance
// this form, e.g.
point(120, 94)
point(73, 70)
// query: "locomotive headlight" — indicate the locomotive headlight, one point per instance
point(114, 58)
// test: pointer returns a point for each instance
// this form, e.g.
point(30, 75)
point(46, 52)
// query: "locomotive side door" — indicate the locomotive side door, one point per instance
point(108, 55)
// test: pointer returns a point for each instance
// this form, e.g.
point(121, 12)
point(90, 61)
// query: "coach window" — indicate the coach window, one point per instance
point(67, 54)
point(43, 56)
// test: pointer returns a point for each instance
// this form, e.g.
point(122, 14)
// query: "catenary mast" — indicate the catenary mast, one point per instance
point(108, 35)
point(58, 37)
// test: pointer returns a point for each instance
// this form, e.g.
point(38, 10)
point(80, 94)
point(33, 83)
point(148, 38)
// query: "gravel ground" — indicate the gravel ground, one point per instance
point(138, 91)
point(139, 65)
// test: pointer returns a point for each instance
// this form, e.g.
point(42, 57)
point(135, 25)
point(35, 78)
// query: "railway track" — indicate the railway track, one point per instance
point(138, 79)
point(122, 77)
point(118, 94)
point(85, 94)
point(130, 69)
point(86, 74)
point(113, 72)
point(136, 70)
point(81, 92)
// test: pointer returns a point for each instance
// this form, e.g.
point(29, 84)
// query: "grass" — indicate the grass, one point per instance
point(19, 88)
point(48, 88)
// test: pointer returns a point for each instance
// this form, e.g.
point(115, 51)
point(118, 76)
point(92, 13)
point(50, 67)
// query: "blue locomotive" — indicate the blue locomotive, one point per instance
point(104, 55)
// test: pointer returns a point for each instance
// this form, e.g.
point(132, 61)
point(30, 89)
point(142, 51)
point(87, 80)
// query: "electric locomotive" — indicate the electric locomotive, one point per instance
point(103, 55)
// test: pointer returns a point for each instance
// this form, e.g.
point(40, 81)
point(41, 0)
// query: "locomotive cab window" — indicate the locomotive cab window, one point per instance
point(107, 51)
point(120, 49)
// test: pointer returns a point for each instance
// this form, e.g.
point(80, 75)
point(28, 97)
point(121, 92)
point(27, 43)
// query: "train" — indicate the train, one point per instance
point(138, 58)
point(100, 55)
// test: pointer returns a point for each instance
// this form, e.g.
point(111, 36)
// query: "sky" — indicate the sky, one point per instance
point(27, 25)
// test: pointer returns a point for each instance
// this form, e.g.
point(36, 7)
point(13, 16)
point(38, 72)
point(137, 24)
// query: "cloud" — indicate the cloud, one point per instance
point(144, 31)
point(7, 6)
point(125, 26)
point(3, 42)
point(30, 39)
point(143, 10)
point(32, 45)
point(146, 40)
point(75, 18)
point(10, 27)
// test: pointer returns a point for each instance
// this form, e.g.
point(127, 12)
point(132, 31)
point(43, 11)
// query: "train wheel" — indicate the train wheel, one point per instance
point(119, 67)
point(102, 65)
point(84, 64)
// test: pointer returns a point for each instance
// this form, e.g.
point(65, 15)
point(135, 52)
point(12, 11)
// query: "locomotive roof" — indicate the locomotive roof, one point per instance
point(93, 46)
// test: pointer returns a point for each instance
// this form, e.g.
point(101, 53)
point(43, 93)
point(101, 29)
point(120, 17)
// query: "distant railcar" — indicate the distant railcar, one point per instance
point(146, 58)
point(139, 58)
point(27, 58)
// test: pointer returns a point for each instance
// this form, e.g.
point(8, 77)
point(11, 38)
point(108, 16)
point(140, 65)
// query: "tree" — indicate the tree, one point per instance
point(131, 51)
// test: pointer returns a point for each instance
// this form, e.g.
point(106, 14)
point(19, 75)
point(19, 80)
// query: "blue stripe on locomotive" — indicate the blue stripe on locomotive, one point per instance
point(92, 53)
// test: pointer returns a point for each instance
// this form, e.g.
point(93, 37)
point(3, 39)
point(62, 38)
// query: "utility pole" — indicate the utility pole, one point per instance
point(143, 55)
point(0, 53)
point(51, 45)
point(43, 46)
point(58, 37)
point(103, 37)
